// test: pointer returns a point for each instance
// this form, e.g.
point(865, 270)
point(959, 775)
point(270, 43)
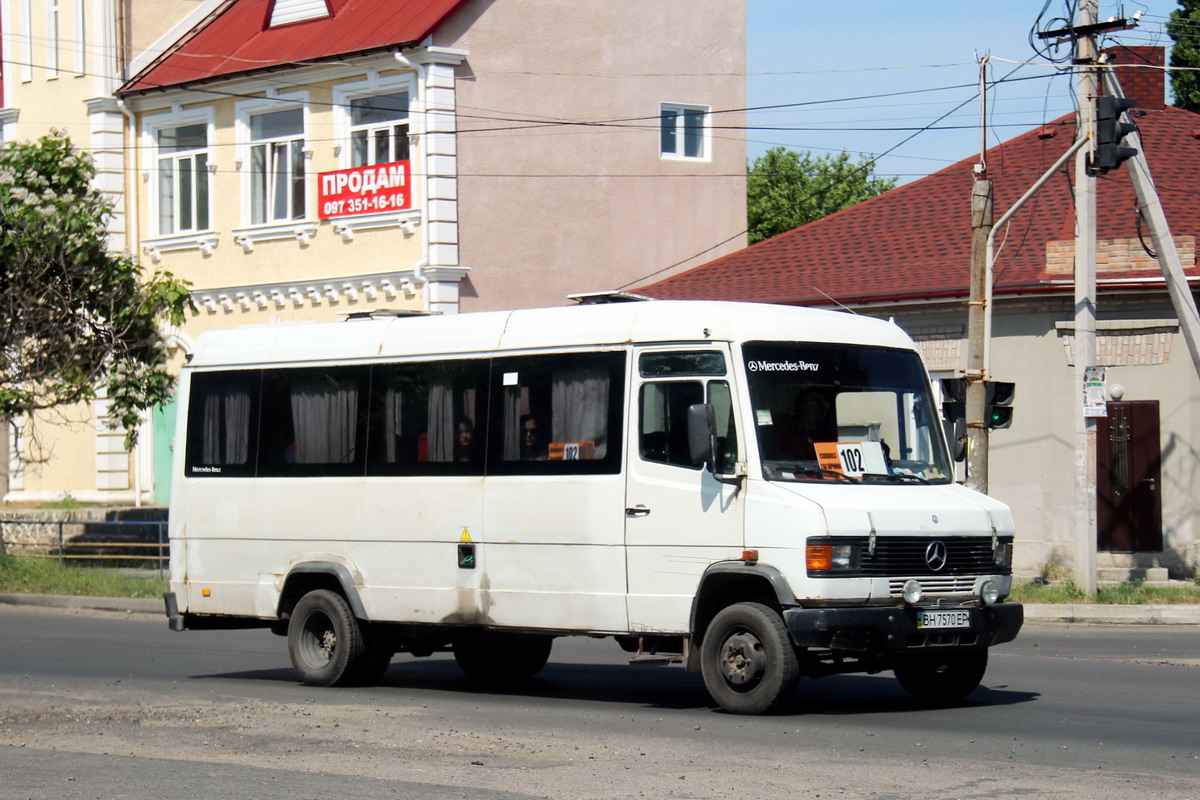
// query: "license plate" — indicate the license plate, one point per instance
point(943, 619)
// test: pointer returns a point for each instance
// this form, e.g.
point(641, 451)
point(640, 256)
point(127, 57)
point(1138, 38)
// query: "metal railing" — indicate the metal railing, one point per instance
point(118, 542)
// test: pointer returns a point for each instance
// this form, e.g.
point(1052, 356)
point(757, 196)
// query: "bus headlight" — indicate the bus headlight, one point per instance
point(1003, 554)
point(831, 557)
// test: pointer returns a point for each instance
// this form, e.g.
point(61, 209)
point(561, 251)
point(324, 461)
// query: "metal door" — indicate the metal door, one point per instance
point(1128, 463)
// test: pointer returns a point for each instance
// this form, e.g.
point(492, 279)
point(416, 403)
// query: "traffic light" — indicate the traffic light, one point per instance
point(998, 401)
point(954, 398)
point(1110, 130)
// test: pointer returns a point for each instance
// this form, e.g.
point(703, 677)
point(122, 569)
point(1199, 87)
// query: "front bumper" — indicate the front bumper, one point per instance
point(894, 628)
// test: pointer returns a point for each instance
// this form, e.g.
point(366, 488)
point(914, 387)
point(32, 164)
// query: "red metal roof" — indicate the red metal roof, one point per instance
point(235, 39)
point(914, 241)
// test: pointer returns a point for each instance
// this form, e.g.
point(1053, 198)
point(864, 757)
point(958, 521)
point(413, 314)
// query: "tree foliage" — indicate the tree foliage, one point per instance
point(75, 320)
point(1184, 27)
point(786, 189)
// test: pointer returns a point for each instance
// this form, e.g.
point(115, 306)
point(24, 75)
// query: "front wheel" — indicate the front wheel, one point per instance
point(748, 661)
point(942, 678)
point(325, 642)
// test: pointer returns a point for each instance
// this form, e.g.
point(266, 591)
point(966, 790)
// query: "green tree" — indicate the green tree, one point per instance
point(1184, 27)
point(75, 319)
point(786, 189)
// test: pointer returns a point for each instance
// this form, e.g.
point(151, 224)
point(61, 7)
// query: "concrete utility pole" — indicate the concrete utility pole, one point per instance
point(977, 307)
point(1085, 305)
point(976, 374)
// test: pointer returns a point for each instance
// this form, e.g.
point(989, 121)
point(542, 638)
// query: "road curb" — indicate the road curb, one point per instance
point(121, 604)
point(1078, 613)
point(1102, 614)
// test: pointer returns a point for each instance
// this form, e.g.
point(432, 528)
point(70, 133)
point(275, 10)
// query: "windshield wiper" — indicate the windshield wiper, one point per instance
point(820, 472)
point(894, 477)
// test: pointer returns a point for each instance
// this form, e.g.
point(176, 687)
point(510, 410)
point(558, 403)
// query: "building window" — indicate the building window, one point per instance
point(379, 129)
point(683, 131)
point(182, 178)
point(277, 166)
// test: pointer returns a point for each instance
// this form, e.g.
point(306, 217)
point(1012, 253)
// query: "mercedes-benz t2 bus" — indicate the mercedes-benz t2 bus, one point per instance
point(757, 492)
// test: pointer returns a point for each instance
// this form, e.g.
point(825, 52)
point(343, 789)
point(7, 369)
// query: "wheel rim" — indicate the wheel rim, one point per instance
point(743, 660)
point(319, 641)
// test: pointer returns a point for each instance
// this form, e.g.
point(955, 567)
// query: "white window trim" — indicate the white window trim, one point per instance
point(188, 240)
point(54, 38)
point(81, 38)
point(26, 41)
point(705, 135)
point(243, 110)
point(373, 84)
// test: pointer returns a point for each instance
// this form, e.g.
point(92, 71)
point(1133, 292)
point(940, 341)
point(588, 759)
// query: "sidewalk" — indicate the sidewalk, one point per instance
point(1083, 613)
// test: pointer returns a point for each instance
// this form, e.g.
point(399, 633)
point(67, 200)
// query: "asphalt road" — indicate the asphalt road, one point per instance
point(111, 706)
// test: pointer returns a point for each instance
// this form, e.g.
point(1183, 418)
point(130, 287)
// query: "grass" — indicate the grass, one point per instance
point(30, 575)
point(1133, 593)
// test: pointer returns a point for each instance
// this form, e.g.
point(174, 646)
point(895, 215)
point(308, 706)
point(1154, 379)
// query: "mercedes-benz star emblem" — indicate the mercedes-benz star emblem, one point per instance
point(935, 555)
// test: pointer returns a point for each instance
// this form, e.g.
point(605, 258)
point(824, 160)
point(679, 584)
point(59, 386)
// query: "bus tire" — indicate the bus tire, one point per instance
point(506, 660)
point(325, 642)
point(748, 661)
point(941, 678)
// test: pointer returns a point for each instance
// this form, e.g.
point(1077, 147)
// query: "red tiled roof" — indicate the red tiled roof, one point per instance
point(914, 241)
point(235, 39)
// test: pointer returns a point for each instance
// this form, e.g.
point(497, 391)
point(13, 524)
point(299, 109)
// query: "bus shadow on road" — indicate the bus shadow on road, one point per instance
point(668, 688)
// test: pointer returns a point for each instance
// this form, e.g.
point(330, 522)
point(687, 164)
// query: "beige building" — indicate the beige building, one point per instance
point(298, 160)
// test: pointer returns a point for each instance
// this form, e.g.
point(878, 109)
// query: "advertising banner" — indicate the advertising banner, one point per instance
point(364, 190)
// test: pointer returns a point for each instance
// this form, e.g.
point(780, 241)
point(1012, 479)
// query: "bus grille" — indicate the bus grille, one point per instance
point(908, 557)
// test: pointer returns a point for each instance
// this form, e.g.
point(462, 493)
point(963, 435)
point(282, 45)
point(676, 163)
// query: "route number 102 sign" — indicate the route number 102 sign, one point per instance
point(851, 458)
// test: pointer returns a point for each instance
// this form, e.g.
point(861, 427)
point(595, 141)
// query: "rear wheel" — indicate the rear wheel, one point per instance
point(748, 660)
point(325, 643)
point(503, 660)
point(941, 678)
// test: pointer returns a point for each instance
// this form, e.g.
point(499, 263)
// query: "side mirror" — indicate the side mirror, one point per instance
point(956, 437)
point(702, 435)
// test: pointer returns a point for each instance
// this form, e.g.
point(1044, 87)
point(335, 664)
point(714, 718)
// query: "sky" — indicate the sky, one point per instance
point(825, 54)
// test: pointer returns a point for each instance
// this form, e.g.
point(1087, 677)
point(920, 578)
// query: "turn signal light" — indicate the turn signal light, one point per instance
point(819, 556)
point(750, 556)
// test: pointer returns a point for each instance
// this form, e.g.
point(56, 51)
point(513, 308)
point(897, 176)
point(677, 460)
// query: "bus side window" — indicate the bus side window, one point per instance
point(312, 421)
point(427, 418)
point(222, 424)
point(727, 442)
point(663, 425)
point(557, 413)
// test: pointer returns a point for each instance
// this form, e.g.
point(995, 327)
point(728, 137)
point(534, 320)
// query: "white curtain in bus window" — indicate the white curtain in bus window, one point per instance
point(226, 425)
point(512, 422)
point(580, 413)
point(393, 401)
point(441, 420)
point(325, 420)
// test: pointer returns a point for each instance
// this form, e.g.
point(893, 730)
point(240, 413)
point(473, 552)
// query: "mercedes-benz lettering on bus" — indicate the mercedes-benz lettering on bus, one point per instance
point(757, 492)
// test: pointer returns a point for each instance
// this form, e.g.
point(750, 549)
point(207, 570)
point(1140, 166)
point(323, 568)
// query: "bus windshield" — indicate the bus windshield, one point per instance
point(847, 413)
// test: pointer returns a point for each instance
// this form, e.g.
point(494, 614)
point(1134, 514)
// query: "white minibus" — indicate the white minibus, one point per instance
point(757, 492)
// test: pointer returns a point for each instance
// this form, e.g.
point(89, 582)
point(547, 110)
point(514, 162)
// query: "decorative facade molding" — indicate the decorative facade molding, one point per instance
point(352, 290)
point(205, 243)
point(1125, 343)
point(301, 230)
point(347, 227)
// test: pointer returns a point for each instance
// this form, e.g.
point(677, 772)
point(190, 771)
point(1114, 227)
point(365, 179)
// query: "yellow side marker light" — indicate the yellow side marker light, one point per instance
point(206, 592)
